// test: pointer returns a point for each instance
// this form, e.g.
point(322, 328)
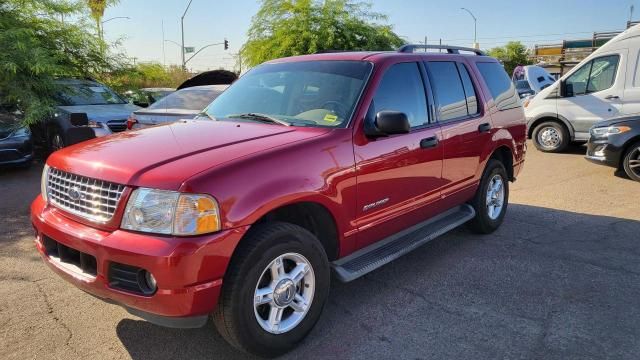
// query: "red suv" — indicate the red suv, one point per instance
point(306, 166)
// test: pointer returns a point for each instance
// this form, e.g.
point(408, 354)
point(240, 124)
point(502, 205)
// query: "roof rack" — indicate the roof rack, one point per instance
point(409, 48)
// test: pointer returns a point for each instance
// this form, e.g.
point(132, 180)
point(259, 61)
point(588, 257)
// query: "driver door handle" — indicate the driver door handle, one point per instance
point(429, 142)
point(483, 128)
point(612, 97)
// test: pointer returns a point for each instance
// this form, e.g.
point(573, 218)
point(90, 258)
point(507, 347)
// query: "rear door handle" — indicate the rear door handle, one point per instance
point(612, 97)
point(484, 127)
point(429, 142)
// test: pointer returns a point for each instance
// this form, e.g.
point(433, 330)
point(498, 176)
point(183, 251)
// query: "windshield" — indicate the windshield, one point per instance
point(188, 99)
point(88, 93)
point(309, 93)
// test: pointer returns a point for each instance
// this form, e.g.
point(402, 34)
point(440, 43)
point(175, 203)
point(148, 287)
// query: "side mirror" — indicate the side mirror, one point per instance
point(566, 90)
point(392, 122)
point(79, 119)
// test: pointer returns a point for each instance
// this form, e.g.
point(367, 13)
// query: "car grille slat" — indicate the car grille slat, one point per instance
point(95, 200)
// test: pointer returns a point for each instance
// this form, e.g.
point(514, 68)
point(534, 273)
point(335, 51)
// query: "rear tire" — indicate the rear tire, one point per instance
point(56, 141)
point(491, 199)
point(631, 162)
point(550, 136)
point(246, 322)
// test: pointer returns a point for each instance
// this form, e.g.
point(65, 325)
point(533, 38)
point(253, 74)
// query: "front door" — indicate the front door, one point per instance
point(594, 92)
point(398, 175)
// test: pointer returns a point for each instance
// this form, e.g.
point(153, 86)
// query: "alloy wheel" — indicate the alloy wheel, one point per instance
point(284, 293)
point(495, 197)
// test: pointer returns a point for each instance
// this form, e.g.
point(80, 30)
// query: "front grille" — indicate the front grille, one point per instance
point(70, 258)
point(92, 199)
point(117, 125)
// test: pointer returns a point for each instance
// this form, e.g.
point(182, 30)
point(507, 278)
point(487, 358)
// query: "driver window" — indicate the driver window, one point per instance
point(401, 89)
point(596, 75)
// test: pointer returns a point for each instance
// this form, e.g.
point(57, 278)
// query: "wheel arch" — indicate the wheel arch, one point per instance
point(550, 117)
point(504, 154)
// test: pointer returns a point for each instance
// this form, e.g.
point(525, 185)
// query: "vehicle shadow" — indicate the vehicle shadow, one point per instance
point(547, 284)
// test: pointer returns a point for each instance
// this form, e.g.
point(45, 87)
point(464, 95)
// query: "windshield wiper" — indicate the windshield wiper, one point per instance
point(260, 117)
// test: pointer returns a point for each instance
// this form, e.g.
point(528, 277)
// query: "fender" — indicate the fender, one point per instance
point(556, 116)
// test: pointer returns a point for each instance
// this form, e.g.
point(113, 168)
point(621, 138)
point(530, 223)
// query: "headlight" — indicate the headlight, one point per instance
point(94, 124)
point(43, 183)
point(171, 212)
point(611, 130)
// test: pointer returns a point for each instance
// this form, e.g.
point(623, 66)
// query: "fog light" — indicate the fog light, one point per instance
point(599, 150)
point(147, 282)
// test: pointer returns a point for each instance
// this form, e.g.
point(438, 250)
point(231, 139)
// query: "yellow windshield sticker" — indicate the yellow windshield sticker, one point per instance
point(330, 117)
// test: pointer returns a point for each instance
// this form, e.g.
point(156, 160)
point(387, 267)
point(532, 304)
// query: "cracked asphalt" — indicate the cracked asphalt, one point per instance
point(559, 280)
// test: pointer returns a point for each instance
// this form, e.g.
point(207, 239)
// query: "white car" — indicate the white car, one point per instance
point(182, 104)
point(604, 85)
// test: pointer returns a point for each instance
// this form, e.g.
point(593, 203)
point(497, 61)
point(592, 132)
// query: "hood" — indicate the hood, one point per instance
point(137, 157)
point(102, 113)
point(629, 120)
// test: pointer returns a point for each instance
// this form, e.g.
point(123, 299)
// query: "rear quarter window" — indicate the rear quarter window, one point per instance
point(501, 88)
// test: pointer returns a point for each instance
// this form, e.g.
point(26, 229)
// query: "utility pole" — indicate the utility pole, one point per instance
point(164, 57)
point(184, 64)
point(631, 13)
point(475, 29)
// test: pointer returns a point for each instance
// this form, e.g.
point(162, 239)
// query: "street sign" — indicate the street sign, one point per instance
point(189, 49)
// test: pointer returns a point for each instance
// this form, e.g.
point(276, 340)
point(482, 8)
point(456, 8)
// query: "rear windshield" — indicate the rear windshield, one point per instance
point(188, 99)
point(306, 93)
point(87, 93)
point(501, 88)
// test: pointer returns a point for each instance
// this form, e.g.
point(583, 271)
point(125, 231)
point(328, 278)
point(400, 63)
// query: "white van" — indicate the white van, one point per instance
point(604, 85)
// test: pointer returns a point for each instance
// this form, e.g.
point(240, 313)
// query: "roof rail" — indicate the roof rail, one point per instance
point(409, 48)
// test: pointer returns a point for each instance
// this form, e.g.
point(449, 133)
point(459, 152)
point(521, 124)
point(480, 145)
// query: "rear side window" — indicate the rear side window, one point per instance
point(469, 91)
point(448, 89)
point(501, 88)
point(402, 89)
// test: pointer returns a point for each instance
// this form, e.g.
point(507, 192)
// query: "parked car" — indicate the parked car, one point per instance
point(616, 143)
point(336, 162)
point(182, 104)
point(107, 112)
point(524, 89)
point(146, 96)
point(15, 140)
point(536, 77)
point(603, 86)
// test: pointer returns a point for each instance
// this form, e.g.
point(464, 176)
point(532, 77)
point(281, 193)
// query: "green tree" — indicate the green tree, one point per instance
point(514, 53)
point(144, 75)
point(297, 27)
point(97, 8)
point(40, 43)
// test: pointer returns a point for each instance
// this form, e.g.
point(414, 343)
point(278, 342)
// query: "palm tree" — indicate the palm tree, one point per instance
point(97, 8)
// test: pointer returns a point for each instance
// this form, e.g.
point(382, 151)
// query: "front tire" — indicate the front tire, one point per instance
point(56, 141)
point(274, 290)
point(491, 199)
point(631, 162)
point(550, 136)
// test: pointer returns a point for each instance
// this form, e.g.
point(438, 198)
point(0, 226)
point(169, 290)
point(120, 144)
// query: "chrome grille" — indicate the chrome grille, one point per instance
point(89, 198)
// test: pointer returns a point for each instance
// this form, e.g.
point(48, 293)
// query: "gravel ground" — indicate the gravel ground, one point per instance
point(559, 280)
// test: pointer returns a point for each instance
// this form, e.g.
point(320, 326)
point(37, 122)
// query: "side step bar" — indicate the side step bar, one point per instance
point(382, 252)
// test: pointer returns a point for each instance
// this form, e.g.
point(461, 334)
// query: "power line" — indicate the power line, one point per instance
point(530, 36)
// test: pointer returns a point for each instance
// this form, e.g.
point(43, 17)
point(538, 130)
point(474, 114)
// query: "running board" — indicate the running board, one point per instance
point(384, 251)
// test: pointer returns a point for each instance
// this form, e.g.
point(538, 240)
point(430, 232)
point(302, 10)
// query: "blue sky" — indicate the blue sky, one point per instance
point(210, 21)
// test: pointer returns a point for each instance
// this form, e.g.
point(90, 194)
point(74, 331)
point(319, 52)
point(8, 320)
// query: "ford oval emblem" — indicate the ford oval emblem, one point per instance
point(74, 194)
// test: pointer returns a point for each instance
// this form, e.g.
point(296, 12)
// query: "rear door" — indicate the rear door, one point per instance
point(398, 176)
point(466, 127)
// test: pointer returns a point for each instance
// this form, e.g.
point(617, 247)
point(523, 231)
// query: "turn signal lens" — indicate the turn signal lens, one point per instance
point(196, 214)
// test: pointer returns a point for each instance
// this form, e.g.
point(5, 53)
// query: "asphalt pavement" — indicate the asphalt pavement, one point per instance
point(559, 280)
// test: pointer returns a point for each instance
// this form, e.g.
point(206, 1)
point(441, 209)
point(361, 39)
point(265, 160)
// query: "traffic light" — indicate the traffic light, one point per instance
point(226, 44)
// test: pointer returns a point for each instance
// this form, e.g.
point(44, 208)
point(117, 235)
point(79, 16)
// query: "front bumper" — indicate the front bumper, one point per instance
point(603, 152)
point(16, 151)
point(188, 271)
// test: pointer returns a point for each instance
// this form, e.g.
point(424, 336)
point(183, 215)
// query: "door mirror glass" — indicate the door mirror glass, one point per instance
point(392, 122)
